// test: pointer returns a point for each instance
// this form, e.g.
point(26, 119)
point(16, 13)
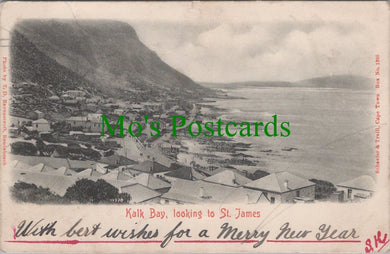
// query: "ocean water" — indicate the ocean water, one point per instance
point(331, 129)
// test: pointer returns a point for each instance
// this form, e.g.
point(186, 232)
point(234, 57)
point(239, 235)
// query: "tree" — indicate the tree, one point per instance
point(257, 174)
point(83, 191)
point(23, 148)
point(40, 146)
point(323, 188)
point(90, 154)
point(28, 192)
point(124, 198)
point(61, 126)
point(87, 191)
point(48, 151)
point(105, 191)
point(44, 150)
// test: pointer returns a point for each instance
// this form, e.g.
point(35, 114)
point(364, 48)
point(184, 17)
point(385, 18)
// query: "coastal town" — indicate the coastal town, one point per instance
point(59, 90)
point(57, 145)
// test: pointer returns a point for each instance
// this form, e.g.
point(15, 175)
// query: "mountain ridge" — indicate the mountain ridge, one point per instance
point(331, 81)
point(106, 55)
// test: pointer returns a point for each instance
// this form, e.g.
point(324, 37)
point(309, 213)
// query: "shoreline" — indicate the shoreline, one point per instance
point(217, 153)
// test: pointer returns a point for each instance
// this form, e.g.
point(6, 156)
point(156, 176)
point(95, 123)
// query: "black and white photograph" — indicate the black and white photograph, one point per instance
point(67, 73)
point(200, 111)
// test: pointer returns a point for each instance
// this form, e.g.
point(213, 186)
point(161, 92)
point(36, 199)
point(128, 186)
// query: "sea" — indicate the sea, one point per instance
point(332, 130)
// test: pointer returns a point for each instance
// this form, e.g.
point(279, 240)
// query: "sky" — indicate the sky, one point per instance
point(215, 51)
point(242, 41)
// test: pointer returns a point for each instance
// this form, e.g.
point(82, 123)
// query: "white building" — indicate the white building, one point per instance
point(284, 187)
point(41, 125)
point(358, 188)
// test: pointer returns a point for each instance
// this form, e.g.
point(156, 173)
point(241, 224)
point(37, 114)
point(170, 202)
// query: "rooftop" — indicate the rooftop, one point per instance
point(150, 167)
point(19, 166)
point(118, 160)
point(150, 181)
point(279, 182)
point(228, 177)
point(41, 121)
point(56, 183)
point(364, 182)
point(120, 179)
point(139, 193)
point(204, 192)
point(40, 168)
point(183, 173)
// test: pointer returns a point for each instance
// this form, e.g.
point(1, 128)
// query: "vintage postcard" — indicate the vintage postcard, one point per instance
point(194, 127)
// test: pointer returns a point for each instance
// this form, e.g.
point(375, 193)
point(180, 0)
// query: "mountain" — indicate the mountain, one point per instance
point(98, 56)
point(333, 81)
point(236, 85)
point(338, 81)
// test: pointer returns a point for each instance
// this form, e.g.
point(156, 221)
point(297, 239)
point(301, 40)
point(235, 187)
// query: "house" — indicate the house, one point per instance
point(77, 122)
point(358, 188)
point(184, 172)
point(57, 184)
point(86, 173)
point(228, 178)
point(152, 106)
point(95, 125)
point(55, 163)
point(101, 168)
point(94, 100)
point(152, 182)
point(35, 115)
point(91, 122)
point(111, 176)
point(117, 160)
point(39, 114)
point(22, 85)
point(140, 194)
point(136, 107)
point(109, 107)
point(41, 125)
point(18, 121)
point(150, 167)
point(74, 93)
point(119, 111)
point(13, 131)
point(34, 160)
point(93, 135)
point(180, 112)
point(79, 165)
point(91, 107)
point(284, 187)
point(169, 148)
point(198, 192)
point(94, 117)
point(120, 178)
point(19, 166)
point(80, 99)
point(40, 168)
point(68, 100)
point(54, 98)
point(57, 180)
point(76, 133)
point(124, 175)
point(62, 171)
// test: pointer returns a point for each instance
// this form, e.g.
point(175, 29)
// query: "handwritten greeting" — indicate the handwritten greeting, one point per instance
point(182, 233)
